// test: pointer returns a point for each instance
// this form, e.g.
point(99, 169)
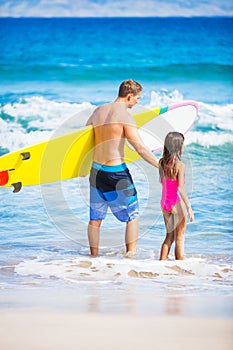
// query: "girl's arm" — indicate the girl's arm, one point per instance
point(182, 191)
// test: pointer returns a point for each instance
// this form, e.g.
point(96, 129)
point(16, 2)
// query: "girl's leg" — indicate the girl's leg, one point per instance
point(166, 246)
point(180, 227)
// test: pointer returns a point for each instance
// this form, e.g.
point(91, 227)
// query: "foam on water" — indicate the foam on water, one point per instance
point(164, 97)
point(35, 119)
point(209, 139)
point(38, 108)
point(195, 275)
point(214, 126)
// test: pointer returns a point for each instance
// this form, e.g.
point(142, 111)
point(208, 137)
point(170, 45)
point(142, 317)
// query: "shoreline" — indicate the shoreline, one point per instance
point(106, 300)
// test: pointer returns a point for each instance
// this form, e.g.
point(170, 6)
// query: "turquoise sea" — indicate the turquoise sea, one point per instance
point(51, 70)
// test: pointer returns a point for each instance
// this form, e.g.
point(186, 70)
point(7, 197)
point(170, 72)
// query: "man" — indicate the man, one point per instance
point(111, 184)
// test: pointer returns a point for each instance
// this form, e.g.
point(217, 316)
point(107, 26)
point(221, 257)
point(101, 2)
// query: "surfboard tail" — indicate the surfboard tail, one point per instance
point(4, 177)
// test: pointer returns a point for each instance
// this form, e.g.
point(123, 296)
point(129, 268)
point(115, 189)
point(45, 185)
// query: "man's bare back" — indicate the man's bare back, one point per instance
point(109, 122)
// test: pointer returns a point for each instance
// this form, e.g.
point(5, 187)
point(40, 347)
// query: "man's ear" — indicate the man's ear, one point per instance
point(129, 96)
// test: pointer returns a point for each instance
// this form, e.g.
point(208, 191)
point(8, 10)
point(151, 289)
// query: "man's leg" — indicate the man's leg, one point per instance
point(93, 236)
point(131, 235)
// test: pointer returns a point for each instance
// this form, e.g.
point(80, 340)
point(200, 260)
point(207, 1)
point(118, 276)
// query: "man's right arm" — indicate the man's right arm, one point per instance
point(133, 137)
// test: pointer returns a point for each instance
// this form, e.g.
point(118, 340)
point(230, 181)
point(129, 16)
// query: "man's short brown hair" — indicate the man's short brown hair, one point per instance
point(129, 87)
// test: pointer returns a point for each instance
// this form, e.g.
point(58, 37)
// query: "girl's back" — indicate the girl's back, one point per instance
point(170, 184)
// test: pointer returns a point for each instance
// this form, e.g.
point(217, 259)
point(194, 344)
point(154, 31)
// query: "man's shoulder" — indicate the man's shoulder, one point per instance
point(102, 108)
point(122, 113)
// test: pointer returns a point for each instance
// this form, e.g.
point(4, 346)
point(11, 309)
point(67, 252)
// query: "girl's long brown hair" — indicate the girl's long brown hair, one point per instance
point(171, 154)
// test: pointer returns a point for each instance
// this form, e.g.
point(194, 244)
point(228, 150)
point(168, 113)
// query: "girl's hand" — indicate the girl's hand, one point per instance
point(190, 213)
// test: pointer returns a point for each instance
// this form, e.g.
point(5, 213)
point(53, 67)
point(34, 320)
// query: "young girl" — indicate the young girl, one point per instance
point(172, 174)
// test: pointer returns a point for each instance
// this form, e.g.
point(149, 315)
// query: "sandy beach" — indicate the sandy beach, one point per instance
point(45, 330)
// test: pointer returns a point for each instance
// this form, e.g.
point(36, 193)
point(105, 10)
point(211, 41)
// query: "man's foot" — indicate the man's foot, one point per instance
point(131, 254)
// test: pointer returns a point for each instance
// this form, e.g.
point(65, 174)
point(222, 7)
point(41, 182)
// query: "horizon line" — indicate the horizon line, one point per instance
point(145, 16)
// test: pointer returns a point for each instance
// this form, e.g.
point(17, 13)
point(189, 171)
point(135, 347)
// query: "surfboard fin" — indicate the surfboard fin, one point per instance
point(25, 155)
point(17, 186)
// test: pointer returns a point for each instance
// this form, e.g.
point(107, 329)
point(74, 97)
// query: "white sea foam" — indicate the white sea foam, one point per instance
point(208, 139)
point(165, 97)
point(35, 119)
point(39, 106)
point(216, 116)
point(214, 126)
point(190, 273)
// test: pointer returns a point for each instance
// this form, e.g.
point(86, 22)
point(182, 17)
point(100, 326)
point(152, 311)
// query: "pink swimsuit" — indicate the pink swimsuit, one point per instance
point(170, 196)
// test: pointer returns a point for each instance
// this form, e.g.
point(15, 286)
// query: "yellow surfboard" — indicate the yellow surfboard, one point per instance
point(70, 155)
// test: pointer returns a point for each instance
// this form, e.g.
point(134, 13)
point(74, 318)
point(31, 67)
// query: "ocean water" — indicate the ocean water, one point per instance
point(52, 71)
